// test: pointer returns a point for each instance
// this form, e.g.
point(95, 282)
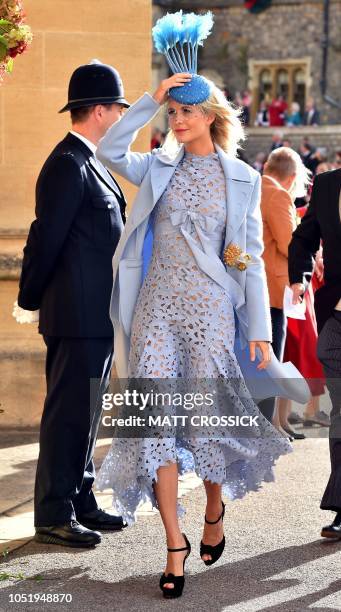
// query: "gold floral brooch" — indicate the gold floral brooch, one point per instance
point(236, 258)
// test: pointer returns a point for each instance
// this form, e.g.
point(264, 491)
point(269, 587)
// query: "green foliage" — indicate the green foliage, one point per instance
point(5, 24)
point(9, 69)
point(5, 576)
point(38, 578)
point(3, 51)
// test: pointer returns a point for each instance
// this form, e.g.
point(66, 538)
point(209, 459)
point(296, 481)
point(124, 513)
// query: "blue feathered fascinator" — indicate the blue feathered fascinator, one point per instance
point(177, 37)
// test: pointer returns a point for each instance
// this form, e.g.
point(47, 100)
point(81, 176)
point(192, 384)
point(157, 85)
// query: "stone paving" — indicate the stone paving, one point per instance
point(274, 559)
point(18, 463)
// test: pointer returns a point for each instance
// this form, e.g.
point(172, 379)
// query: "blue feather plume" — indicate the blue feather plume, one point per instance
point(175, 30)
point(197, 27)
point(166, 31)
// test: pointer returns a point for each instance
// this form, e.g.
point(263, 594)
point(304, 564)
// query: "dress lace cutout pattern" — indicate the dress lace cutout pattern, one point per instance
point(184, 327)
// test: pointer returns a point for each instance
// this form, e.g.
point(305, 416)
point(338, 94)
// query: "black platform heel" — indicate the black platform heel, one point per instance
point(178, 581)
point(214, 551)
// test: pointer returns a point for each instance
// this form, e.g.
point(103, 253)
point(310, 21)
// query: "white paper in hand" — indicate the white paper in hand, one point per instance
point(294, 311)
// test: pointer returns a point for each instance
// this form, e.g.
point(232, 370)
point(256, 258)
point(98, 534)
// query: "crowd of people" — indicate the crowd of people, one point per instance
point(283, 204)
point(316, 158)
point(299, 345)
point(276, 113)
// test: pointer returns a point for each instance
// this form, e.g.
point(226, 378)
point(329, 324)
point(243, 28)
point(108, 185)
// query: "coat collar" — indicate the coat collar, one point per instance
point(79, 144)
point(239, 186)
point(270, 179)
point(86, 141)
point(102, 173)
point(233, 167)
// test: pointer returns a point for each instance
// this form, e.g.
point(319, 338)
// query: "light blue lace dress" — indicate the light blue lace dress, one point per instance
point(184, 327)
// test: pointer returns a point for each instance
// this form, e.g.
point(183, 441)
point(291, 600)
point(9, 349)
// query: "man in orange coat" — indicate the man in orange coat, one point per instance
point(279, 221)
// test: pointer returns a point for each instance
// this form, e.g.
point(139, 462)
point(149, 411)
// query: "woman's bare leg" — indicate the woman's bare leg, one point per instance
point(166, 491)
point(284, 409)
point(312, 407)
point(275, 418)
point(213, 534)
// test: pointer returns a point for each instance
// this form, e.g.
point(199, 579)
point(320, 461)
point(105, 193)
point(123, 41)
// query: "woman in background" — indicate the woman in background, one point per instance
point(294, 118)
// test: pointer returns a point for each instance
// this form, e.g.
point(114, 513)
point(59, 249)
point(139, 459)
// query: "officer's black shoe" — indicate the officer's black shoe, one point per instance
point(99, 519)
point(333, 530)
point(71, 534)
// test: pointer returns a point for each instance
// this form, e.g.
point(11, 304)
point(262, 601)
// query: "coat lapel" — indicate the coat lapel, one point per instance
point(238, 192)
point(98, 168)
point(162, 171)
point(104, 175)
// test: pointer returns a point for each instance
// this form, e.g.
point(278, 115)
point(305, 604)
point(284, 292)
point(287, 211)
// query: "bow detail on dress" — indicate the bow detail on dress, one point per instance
point(185, 217)
point(205, 250)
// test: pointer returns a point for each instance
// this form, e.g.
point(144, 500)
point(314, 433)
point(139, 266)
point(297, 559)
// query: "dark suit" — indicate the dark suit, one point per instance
point(67, 274)
point(313, 119)
point(322, 222)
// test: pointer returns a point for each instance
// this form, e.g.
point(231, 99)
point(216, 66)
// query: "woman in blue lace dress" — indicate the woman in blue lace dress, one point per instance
point(183, 322)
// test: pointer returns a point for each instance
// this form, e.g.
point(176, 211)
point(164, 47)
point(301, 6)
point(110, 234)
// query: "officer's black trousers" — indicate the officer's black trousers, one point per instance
point(329, 353)
point(70, 421)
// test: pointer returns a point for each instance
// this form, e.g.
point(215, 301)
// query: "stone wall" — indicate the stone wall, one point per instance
point(289, 29)
point(66, 34)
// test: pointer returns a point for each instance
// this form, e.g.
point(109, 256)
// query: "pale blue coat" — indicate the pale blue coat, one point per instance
point(247, 289)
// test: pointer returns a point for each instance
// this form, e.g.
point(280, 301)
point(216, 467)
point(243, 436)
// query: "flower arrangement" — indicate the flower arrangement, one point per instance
point(15, 36)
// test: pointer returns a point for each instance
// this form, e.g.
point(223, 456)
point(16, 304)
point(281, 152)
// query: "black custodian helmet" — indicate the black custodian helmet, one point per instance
point(95, 83)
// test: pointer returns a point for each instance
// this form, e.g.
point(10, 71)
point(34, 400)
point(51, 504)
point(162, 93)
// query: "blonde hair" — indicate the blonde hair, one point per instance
point(227, 130)
point(285, 162)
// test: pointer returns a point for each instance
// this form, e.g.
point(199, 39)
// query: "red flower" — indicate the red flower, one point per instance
point(17, 50)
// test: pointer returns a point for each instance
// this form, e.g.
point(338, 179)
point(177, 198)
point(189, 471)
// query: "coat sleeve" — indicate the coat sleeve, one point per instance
point(305, 242)
point(257, 296)
point(281, 220)
point(59, 195)
point(114, 148)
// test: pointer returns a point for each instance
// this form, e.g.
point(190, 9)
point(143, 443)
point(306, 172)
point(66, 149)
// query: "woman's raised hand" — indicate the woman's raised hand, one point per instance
point(176, 80)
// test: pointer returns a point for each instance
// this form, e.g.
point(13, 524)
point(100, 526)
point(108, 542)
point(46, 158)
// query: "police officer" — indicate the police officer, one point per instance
point(67, 275)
